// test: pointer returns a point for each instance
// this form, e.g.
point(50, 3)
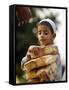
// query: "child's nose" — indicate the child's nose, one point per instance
point(42, 35)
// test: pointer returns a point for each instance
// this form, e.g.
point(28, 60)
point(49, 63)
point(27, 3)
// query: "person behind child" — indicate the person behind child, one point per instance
point(46, 29)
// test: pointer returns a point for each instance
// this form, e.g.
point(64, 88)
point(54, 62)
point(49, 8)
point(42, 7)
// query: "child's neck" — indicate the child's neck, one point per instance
point(48, 44)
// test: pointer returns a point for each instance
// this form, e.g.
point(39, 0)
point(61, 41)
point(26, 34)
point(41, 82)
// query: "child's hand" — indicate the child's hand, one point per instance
point(48, 73)
point(43, 76)
point(33, 51)
point(34, 80)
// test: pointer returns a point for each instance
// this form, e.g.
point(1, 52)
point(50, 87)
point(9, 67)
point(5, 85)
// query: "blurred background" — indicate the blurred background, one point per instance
point(26, 32)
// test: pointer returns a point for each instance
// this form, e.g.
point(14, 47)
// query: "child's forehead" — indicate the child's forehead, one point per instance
point(43, 27)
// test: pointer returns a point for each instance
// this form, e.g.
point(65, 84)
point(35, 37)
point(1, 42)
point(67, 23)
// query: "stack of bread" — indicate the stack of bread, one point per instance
point(42, 59)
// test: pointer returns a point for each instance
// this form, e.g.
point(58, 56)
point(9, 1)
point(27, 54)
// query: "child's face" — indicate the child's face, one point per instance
point(45, 36)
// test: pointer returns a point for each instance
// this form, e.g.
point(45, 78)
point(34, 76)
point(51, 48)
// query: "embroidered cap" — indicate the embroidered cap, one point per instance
point(50, 22)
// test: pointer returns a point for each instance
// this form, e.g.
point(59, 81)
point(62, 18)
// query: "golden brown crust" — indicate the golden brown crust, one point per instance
point(44, 74)
point(42, 65)
point(38, 51)
point(39, 62)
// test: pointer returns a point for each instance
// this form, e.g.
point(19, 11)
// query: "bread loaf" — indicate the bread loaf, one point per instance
point(38, 51)
point(42, 59)
point(50, 71)
point(39, 62)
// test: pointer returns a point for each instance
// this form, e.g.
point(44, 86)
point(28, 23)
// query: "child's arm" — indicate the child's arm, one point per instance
point(24, 60)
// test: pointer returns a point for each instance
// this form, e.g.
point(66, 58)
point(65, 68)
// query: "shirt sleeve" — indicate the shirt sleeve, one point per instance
point(58, 69)
point(25, 59)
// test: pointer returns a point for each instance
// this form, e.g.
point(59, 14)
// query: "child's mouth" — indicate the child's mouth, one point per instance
point(43, 40)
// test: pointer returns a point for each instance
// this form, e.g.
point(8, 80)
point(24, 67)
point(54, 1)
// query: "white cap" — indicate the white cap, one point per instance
point(50, 22)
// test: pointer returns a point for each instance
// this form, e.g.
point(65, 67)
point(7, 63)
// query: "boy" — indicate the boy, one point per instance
point(46, 34)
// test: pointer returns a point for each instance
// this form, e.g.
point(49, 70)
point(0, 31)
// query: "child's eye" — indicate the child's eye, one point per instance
point(39, 33)
point(46, 33)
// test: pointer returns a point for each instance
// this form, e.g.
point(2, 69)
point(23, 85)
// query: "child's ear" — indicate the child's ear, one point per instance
point(54, 35)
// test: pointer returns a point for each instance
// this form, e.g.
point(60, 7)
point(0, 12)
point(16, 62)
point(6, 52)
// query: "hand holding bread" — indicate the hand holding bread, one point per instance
point(42, 63)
